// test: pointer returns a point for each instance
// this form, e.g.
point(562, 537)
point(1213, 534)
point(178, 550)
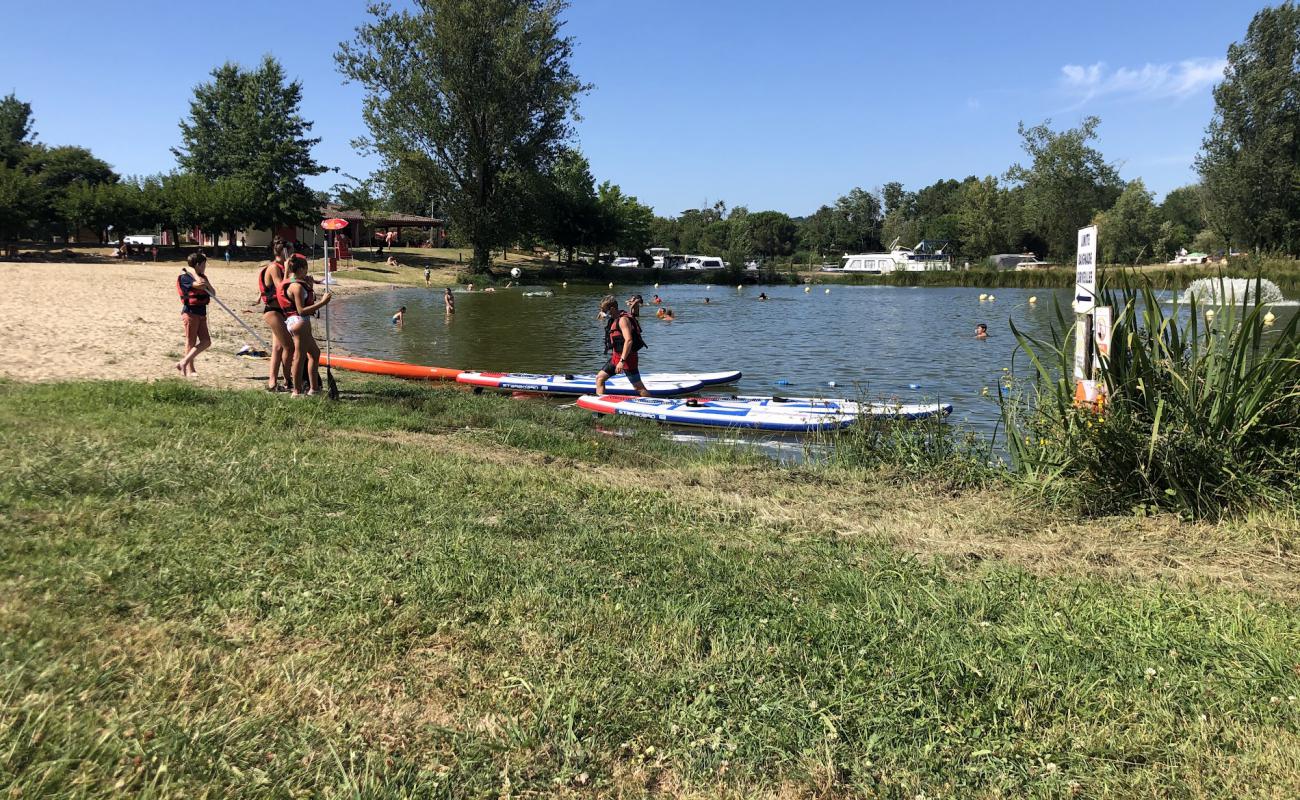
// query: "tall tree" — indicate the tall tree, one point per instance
point(857, 221)
point(480, 89)
point(16, 134)
point(1129, 230)
point(246, 125)
point(1250, 157)
point(981, 218)
point(625, 223)
point(1066, 183)
point(771, 234)
point(567, 209)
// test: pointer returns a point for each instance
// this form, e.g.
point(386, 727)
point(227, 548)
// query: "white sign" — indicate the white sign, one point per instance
point(1081, 336)
point(1101, 325)
point(1085, 271)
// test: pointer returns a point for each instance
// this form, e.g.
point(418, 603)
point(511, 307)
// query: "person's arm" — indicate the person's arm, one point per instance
point(314, 307)
point(625, 325)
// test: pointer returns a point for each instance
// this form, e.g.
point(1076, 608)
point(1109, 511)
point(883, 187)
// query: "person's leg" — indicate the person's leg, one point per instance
point(191, 337)
point(299, 359)
point(275, 324)
point(601, 377)
point(313, 359)
point(204, 340)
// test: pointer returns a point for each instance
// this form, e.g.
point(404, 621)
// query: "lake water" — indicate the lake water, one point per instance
point(887, 342)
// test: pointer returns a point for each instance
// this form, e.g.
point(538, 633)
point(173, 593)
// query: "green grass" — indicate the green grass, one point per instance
point(422, 593)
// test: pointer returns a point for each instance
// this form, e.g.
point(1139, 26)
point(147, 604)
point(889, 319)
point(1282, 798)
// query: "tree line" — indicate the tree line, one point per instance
point(469, 107)
point(242, 161)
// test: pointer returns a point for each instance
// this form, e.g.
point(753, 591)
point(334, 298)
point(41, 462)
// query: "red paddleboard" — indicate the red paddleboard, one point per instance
point(397, 369)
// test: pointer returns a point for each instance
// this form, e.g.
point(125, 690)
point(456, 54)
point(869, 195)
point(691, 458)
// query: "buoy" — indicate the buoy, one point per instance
point(807, 289)
point(1033, 298)
point(564, 285)
point(914, 386)
point(983, 297)
point(828, 291)
point(611, 284)
point(1209, 313)
point(1269, 318)
point(739, 287)
point(707, 288)
point(992, 298)
point(656, 286)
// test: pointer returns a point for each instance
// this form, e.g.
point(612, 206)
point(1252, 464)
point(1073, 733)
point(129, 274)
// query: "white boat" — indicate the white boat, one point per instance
point(899, 259)
point(1185, 257)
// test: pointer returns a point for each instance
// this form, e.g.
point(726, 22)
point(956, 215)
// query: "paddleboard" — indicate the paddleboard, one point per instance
point(397, 369)
point(574, 384)
point(756, 413)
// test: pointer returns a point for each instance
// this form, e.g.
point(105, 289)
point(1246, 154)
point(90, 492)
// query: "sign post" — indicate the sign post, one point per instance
point(330, 226)
point(1085, 300)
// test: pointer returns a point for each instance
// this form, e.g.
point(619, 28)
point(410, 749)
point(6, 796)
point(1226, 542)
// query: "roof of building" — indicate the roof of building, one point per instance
point(380, 219)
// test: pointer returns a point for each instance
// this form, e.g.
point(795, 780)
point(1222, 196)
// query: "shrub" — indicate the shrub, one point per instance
point(1202, 414)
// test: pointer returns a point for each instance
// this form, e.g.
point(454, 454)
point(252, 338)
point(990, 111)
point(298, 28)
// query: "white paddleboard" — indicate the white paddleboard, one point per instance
point(574, 384)
point(757, 413)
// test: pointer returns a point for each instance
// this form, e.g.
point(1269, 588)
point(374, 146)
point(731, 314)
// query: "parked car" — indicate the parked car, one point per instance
point(626, 261)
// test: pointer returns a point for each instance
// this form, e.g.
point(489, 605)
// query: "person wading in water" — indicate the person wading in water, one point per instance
point(622, 341)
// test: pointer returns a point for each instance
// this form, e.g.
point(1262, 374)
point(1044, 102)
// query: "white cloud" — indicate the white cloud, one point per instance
point(1150, 81)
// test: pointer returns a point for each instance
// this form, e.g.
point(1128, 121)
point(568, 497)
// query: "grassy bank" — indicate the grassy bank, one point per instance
point(421, 592)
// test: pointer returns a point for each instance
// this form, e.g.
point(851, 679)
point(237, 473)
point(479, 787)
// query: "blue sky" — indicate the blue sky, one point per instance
point(765, 104)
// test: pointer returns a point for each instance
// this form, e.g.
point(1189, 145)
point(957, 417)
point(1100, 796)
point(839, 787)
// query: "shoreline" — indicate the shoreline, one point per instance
point(128, 326)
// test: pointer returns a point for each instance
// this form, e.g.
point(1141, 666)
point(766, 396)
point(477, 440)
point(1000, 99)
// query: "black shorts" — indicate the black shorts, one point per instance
point(632, 373)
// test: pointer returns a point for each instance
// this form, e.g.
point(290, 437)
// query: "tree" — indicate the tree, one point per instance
point(1066, 183)
point(567, 210)
point(857, 221)
point(1250, 157)
point(625, 223)
point(981, 218)
point(817, 233)
point(480, 89)
point(16, 134)
point(16, 209)
point(771, 234)
point(245, 125)
point(1129, 230)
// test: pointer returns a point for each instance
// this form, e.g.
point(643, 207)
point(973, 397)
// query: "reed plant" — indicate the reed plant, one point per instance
point(1201, 417)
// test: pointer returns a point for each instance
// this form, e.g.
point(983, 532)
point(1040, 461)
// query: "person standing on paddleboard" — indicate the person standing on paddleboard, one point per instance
point(622, 341)
point(297, 297)
point(196, 293)
point(268, 281)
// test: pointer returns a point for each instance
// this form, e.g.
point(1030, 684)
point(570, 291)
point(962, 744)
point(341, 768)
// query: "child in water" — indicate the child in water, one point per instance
point(448, 300)
point(399, 316)
point(981, 331)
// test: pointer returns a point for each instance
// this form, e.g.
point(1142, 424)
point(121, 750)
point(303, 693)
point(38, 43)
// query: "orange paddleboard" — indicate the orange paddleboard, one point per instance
point(397, 369)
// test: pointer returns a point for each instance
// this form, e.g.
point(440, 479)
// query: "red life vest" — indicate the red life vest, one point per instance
point(286, 302)
point(193, 298)
point(266, 290)
point(614, 333)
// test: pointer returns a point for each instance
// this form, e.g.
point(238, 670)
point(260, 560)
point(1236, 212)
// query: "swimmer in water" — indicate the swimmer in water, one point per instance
point(400, 316)
point(448, 300)
point(706, 301)
point(668, 316)
point(981, 331)
point(657, 300)
point(762, 295)
point(660, 313)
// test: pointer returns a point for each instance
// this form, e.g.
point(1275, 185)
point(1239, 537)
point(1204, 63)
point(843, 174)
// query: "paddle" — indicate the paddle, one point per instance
point(235, 316)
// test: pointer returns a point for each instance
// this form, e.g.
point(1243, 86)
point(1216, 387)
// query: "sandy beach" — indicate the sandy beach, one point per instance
point(66, 321)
